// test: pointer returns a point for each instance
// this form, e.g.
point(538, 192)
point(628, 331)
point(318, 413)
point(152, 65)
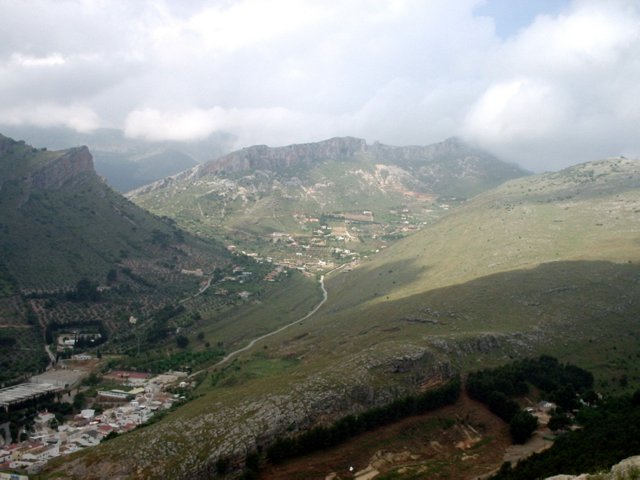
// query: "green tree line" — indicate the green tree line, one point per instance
point(322, 437)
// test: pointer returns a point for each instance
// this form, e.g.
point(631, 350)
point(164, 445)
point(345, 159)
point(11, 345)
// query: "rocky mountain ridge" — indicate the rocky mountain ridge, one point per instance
point(262, 157)
point(258, 192)
point(127, 163)
point(69, 166)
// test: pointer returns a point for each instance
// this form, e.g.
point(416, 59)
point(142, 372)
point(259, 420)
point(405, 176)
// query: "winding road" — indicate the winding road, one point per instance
point(250, 345)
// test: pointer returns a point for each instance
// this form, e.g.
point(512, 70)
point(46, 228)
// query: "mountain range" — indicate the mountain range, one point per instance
point(538, 264)
point(323, 198)
point(431, 260)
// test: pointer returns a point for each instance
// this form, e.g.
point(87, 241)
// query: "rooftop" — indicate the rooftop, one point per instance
point(25, 391)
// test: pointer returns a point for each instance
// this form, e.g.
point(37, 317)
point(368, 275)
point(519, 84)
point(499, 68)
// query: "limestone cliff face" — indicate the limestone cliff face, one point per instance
point(5, 144)
point(76, 163)
point(261, 157)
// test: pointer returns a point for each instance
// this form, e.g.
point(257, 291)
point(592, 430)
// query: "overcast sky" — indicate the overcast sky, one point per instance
point(545, 83)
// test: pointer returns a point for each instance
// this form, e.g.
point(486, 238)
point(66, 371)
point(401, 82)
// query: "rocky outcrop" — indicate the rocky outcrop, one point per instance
point(74, 163)
point(231, 430)
point(627, 469)
point(261, 157)
point(5, 144)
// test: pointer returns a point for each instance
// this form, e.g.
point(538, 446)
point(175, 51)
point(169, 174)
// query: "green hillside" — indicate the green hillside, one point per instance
point(60, 224)
point(544, 264)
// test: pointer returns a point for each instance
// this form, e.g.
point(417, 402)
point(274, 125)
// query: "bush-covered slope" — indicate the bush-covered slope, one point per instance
point(60, 224)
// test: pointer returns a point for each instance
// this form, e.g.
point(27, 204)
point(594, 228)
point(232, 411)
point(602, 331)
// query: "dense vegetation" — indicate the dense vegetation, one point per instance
point(323, 437)
point(497, 387)
point(610, 433)
point(158, 362)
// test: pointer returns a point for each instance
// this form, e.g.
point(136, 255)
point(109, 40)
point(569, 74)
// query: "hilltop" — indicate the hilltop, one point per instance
point(541, 264)
point(124, 162)
point(74, 252)
point(319, 204)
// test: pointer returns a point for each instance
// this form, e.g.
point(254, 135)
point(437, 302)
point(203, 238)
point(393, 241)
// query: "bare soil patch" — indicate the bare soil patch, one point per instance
point(462, 441)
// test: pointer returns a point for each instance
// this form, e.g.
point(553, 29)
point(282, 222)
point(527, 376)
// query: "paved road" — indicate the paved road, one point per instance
point(229, 356)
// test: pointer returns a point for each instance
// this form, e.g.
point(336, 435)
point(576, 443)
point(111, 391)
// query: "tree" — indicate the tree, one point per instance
point(182, 341)
point(112, 275)
point(559, 421)
point(93, 379)
point(85, 291)
point(79, 401)
point(522, 425)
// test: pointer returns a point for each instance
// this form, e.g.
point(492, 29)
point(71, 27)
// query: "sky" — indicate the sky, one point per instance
point(544, 83)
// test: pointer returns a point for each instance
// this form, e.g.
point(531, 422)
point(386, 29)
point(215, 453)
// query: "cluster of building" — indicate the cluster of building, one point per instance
point(127, 409)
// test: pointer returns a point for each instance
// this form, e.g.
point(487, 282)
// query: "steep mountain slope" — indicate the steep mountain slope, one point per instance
point(323, 198)
point(59, 223)
point(127, 163)
point(548, 263)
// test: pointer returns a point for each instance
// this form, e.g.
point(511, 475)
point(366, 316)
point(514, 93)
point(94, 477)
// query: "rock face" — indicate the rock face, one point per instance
point(75, 163)
point(440, 161)
point(39, 168)
point(261, 157)
point(5, 144)
point(627, 469)
point(232, 430)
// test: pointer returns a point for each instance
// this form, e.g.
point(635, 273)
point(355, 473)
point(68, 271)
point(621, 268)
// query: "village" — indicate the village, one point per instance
point(321, 243)
point(123, 401)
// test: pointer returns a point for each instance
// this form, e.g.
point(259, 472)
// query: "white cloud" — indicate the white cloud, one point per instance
point(516, 110)
point(562, 90)
point(77, 117)
point(254, 125)
point(33, 61)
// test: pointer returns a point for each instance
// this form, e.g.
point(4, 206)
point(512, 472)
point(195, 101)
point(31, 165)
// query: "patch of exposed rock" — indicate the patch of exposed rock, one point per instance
point(67, 167)
point(262, 157)
point(191, 445)
point(627, 469)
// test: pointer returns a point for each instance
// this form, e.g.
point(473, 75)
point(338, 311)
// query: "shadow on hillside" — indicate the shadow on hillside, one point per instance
point(371, 282)
point(573, 305)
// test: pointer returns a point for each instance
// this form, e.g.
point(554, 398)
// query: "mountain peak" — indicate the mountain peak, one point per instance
point(41, 168)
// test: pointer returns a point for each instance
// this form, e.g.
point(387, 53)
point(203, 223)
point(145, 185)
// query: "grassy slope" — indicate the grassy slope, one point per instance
point(548, 263)
point(68, 224)
point(53, 236)
point(501, 263)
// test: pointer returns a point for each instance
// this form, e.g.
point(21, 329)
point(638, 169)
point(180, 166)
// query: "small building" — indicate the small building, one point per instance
point(82, 357)
point(114, 395)
point(545, 406)
point(88, 413)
